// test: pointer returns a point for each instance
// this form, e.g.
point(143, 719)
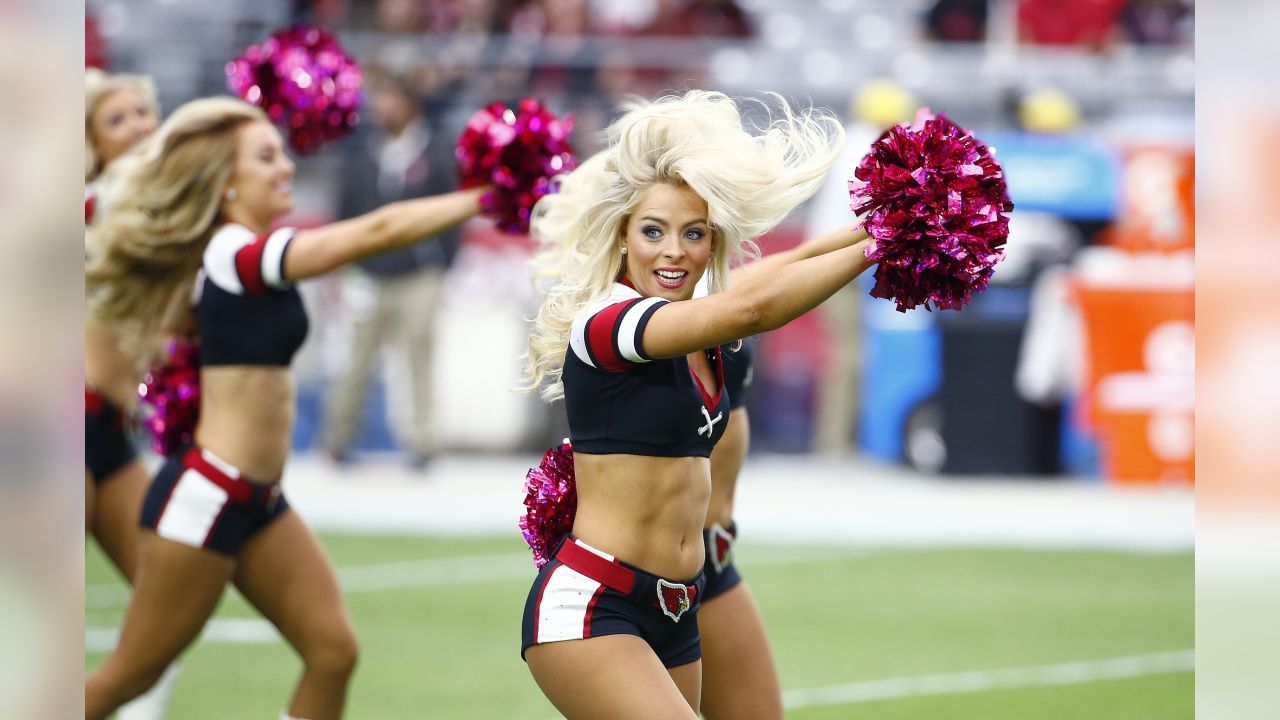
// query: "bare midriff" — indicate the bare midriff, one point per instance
point(246, 418)
point(646, 511)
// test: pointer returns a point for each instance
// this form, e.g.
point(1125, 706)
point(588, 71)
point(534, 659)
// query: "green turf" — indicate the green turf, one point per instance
point(1166, 697)
point(834, 616)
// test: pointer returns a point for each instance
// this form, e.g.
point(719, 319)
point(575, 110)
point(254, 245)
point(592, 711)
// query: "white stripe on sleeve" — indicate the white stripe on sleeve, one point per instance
point(628, 343)
point(273, 258)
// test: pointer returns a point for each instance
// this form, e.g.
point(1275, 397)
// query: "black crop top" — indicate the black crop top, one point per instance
point(738, 372)
point(619, 400)
point(249, 314)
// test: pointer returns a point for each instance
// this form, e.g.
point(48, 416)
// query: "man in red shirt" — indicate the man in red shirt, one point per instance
point(1089, 23)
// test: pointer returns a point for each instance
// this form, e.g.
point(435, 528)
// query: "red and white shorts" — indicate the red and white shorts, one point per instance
point(584, 593)
point(203, 501)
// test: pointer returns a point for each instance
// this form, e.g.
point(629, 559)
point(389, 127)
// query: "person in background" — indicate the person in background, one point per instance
point(566, 53)
point(196, 218)
point(1047, 111)
point(1158, 22)
point(739, 679)
point(875, 107)
point(119, 111)
point(957, 21)
point(1089, 24)
point(701, 18)
point(399, 16)
point(392, 297)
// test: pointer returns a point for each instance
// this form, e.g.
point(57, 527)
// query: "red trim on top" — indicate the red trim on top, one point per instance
point(92, 400)
point(711, 402)
point(249, 266)
point(591, 606)
point(600, 332)
point(90, 203)
point(608, 572)
point(237, 489)
point(627, 281)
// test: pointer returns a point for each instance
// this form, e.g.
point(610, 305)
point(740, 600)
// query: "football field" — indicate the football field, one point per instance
point(943, 634)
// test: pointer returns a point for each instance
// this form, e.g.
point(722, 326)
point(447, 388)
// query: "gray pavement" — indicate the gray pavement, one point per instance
point(781, 499)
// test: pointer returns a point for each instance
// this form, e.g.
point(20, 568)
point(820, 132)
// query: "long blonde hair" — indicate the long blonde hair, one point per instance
point(750, 178)
point(167, 205)
point(97, 86)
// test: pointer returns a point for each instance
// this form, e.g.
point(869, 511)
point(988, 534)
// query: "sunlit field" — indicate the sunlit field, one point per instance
point(871, 634)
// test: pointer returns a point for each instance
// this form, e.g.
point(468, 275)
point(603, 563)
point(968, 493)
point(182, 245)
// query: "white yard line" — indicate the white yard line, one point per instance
point(1073, 673)
point(233, 631)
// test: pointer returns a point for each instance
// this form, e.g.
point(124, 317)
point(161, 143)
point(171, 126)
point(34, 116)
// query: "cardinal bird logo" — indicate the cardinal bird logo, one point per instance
point(720, 542)
point(673, 599)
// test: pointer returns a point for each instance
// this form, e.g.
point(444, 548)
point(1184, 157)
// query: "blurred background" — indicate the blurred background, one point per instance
point(986, 513)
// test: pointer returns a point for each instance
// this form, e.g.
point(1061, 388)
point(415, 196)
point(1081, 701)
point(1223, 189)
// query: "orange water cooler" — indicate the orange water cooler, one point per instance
point(1139, 324)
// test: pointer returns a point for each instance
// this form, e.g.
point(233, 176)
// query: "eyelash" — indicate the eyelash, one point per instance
point(115, 120)
point(698, 233)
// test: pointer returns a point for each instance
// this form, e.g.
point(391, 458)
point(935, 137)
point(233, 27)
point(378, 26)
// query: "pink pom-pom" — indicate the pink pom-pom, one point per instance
point(172, 390)
point(518, 152)
point(551, 500)
point(304, 81)
point(937, 211)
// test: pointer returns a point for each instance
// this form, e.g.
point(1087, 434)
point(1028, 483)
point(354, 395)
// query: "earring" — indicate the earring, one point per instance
point(231, 195)
point(623, 249)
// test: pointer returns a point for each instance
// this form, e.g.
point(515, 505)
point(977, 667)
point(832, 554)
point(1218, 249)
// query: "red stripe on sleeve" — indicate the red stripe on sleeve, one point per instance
point(249, 266)
point(600, 333)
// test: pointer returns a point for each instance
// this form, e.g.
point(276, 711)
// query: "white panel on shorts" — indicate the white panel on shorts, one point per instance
point(563, 608)
point(192, 509)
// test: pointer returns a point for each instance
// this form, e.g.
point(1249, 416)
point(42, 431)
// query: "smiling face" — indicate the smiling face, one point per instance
point(262, 180)
point(119, 121)
point(668, 242)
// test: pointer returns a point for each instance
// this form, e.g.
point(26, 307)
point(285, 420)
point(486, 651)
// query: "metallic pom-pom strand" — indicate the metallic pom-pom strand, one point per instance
point(518, 151)
point(937, 209)
point(171, 394)
point(305, 81)
point(551, 500)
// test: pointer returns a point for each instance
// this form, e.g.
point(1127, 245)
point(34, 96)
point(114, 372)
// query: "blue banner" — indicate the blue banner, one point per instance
point(1073, 177)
